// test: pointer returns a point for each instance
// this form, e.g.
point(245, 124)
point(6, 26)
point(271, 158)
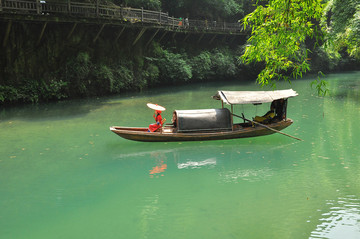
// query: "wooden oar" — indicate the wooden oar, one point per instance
point(277, 131)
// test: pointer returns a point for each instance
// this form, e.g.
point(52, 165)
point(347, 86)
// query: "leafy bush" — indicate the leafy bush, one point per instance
point(123, 79)
point(146, 4)
point(55, 89)
point(201, 65)
point(174, 68)
point(151, 74)
point(77, 73)
point(104, 78)
point(223, 63)
point(8, 94)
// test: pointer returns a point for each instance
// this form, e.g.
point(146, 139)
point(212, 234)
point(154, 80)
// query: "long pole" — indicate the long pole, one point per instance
point(277, 131)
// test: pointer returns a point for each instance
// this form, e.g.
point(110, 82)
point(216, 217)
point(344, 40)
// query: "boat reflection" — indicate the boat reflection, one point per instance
point(197, 164)
point(231, 163)
point(159, 169)
point(342, 221)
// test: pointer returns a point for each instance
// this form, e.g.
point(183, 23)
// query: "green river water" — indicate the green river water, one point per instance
point(63, 174)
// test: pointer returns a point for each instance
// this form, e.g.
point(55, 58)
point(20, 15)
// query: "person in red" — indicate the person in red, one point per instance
point(158, 120)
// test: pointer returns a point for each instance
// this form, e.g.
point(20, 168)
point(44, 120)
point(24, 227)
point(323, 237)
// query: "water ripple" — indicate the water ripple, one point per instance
point(195, 164)
point(251, 175)
point(342, 221)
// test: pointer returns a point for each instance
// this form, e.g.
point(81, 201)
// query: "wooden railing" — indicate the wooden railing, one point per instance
point(114, 12)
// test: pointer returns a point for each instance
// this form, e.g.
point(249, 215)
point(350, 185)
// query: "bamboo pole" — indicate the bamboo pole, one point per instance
point(97, 9)
point(162, 36)
point(98, 34)
point(202, 35)
point(69, 6)
point(38, 7)
point(7, 33)
point(119, 34)
point(71, 31)
point(41, 33)
point(213, 38)
point(277, 131)
point(186, 37)
point(152, 37)
point(139, 36)
point(142, 14)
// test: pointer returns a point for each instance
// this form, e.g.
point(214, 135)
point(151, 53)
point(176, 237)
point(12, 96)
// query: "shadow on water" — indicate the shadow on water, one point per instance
point(345, 86)
point(51, 111)
point(350, 91)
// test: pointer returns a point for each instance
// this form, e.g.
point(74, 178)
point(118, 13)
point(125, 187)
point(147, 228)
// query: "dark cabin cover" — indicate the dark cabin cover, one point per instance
point(203, 120)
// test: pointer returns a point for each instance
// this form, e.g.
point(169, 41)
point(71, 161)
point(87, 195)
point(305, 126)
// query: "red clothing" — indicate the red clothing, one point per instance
point(157, 125)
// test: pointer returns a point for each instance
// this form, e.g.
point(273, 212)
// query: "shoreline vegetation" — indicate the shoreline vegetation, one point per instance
point(78, 68)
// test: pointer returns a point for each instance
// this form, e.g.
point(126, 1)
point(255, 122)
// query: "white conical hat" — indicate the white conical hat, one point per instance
point(155, 107)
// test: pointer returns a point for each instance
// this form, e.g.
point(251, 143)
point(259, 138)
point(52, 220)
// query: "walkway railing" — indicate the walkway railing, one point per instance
point(114, 12)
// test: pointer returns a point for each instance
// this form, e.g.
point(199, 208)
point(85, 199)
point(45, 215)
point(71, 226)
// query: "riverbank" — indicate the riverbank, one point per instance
point(63, 67)
point(76, 67)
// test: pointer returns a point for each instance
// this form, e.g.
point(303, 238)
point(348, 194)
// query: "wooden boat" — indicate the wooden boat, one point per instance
point(216, 124)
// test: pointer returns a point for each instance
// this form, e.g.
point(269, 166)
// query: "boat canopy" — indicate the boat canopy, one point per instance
point(253, 97)
point(203, 120)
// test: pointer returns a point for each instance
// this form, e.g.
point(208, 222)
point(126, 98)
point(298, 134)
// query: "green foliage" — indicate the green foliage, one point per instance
point(179, 68)
point(218, 8)
point(105, 76)
point(85, 77)
point(207, 65)
point(151, 74)
point(205, 9)
point(279, 31)
point(54, 90)
point(8, 94)
point(320, 85)
point(77, 72)
point(33, 91)
point(123, 78)
point(146, 4)
point(174, 67)
point(201, 65)
point(223, 63)
point(341, 21)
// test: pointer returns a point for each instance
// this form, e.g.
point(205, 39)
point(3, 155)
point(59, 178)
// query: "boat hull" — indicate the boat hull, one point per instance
point(141, 134)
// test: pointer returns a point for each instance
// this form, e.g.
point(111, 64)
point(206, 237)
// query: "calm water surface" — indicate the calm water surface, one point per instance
point(63, 174)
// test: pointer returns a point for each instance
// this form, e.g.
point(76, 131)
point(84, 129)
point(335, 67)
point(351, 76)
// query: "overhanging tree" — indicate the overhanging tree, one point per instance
point(341, 21)
point(279, 29)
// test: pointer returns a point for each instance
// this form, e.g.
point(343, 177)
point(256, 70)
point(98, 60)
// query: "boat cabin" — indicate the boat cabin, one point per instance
point(202, 120)
point(212, 120)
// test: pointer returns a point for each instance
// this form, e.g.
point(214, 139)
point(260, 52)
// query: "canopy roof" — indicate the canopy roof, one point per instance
point(253, 97)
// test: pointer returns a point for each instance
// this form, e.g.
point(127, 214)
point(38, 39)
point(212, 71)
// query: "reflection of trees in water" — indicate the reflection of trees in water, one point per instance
point(349, 90)
point(60, 110)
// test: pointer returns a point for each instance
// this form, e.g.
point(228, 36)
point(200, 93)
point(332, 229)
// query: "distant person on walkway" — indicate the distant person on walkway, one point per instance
point(180, 22)
point(186, 23)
